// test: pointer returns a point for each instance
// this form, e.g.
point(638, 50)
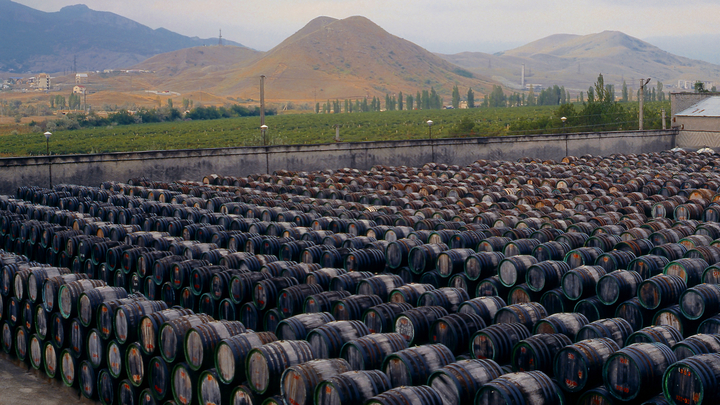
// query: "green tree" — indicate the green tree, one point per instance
point(531, 100)
point(660, 92)
point(317, 107)
point(410, 102)
point(456, 97)
point(169, 103)
point(470, 98)
point(625, 93)
point(464, 127)
point(700, 87)
point(400, 101)
point(418, 101)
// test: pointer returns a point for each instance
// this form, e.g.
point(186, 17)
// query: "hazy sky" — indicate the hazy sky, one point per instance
point(446, 26)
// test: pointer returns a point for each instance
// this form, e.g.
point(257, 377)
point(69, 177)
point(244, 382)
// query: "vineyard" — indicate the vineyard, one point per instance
point(316, 128)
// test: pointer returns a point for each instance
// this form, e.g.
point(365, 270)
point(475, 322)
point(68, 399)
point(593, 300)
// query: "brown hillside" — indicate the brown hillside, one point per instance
point(348, 58)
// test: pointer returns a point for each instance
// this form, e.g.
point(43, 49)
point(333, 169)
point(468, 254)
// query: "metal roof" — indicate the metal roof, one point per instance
point(710, 107)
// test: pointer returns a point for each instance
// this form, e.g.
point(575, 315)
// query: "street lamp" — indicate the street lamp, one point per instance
point(47, 146)
point(430, 124)
point(263, 129)
point(563, 119)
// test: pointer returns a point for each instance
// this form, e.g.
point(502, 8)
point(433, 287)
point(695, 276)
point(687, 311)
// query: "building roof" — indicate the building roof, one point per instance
point(710, 107)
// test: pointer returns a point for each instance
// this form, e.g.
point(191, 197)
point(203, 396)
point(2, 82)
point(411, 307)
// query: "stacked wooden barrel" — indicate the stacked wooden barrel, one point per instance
point(547, 282)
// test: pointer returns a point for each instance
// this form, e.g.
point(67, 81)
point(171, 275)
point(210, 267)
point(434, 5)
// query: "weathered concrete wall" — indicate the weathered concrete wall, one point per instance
point(698, 139)
point(194, 164)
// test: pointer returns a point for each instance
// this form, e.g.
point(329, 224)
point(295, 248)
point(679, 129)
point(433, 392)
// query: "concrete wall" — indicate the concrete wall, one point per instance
point(194, 164)
point(680, 102)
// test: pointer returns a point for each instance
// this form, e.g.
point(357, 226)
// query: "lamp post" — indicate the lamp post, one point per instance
point(641, 118)
point(563, 119)
point(47, 146)
point(432, 145)
point(263, 129)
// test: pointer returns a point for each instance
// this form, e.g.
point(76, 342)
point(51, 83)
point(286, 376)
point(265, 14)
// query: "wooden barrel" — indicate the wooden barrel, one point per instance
point(700, 301)
point(37, 278)
point(149, 326)
point(35, 351)
point(554, 301)
point(409, 293)
point(136, 363)
point(116, 359)
point(105, 314)
point(324, 301)
point(159, 375)
point(579, 366)
point(545, 275)
point(380, 285)
point(660, 291)
point(673, 316)
point(372, 260)
point(21, 338)
point(398, 252)
point(617, 329)
point(327, 340)
point(671, 251)
point(368, 352)
point(617, 286)
point(421, 395)
point(455, 330)
point(693, 380)
point(266, 292)
point(537, 352)
point(172, 334)
point(482, 265)
point(649, 265)
point(566, 323)
point(87, 380)
point(211, 390)
point(413, 366)
point(446, 297)
point(183, 384)
point(497, 341)
point(485, 307)
point(348, 281)
point(69, 366)
point(581, 282)
point(106, 387)
point(690, 270)
point(128, 316)
point(265, 364)
point(697, 344)
point(353, 307)
point(518, 247)
point(527, 314)
point(69, 293)
point(52, 285)
point(201, 341)
point(291, 299)
point(665, 334)
point(77, 340)
point(710, 325)
point(582, 256)
point(637, 316)
point(298, 382)
point(453, 261)
point(414, 324)
point(551, 250)
point(512, 270)
point(458, 382)
point(231, 353)
point(323, 276)
point(96, 348)
point(297, 327)
point(50, 356)
point(529, 387)
point(271, 320)
point(424, 258)
point(351, 388)
point(381, 318)
point(632, 372)
point(241, 286)
point(594, 309)
point(711, 275)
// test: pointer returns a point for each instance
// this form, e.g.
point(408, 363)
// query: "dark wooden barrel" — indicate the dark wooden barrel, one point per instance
point(482, 265)
point(35, 351)
point(380, 285)
point(381, 318)
point(618, 286)
point(211, 390)
point(37, 278)
point(414, 324)
point(69, 293)
point(409, 293)
point(107, 387)
point(398, 251)
point(324, 301)
point(527, 314)
point(458, 382)
point(348, 281)
point(201, 341)
point(635, 372)
point(424, 258)
point(485, 307)
point(241, 286)
point(351, 388)
point(266, 292)
point(87, 380)
point(512, 270)
point(231, 353)
point(660, 291)
point(172, 334)
point(700, 301)
point(537, 352)
point(128, 317)
point(52, 285)
point(551, 250)
point(580, 282)
point(265, 364)
point(529, 387)
point(298, 382)
point(158, 375)
point(545, 275)
point(323, 276)
point(673, 316)
point(456, 330)
point(566, 323)
point(690, 270)
point(665, 334)
point(453, 261)
point(50, 356)
point(148, 329)
point(446, 297)
point(368, 352)
point(497, 341)
point(413, 366)
point(693, 380)
point(617, 329)
point(105, 314)
point(648, 265)
point(96, 348)
point(291, 299)
point(69, 367)
point(353, 307)
point(136, 363)
point(554, 301)
point(327, 340)
point(420, 395)
point(183, 384)
point(579, 366)
point(582, 256)
point(636, 315)
point(697, 344)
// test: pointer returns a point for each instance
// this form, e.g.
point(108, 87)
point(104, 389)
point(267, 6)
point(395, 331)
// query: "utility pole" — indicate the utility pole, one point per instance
point(643, 82)
point(262, 100)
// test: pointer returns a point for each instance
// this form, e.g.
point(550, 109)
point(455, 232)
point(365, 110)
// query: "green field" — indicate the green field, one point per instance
point(291, 129)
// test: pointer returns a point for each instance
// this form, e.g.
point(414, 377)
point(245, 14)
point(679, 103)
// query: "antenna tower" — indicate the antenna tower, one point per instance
point(220, 39)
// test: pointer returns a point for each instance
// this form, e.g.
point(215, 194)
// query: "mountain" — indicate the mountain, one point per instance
point(343, 59)
point(36, 41)
point(574, 61)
